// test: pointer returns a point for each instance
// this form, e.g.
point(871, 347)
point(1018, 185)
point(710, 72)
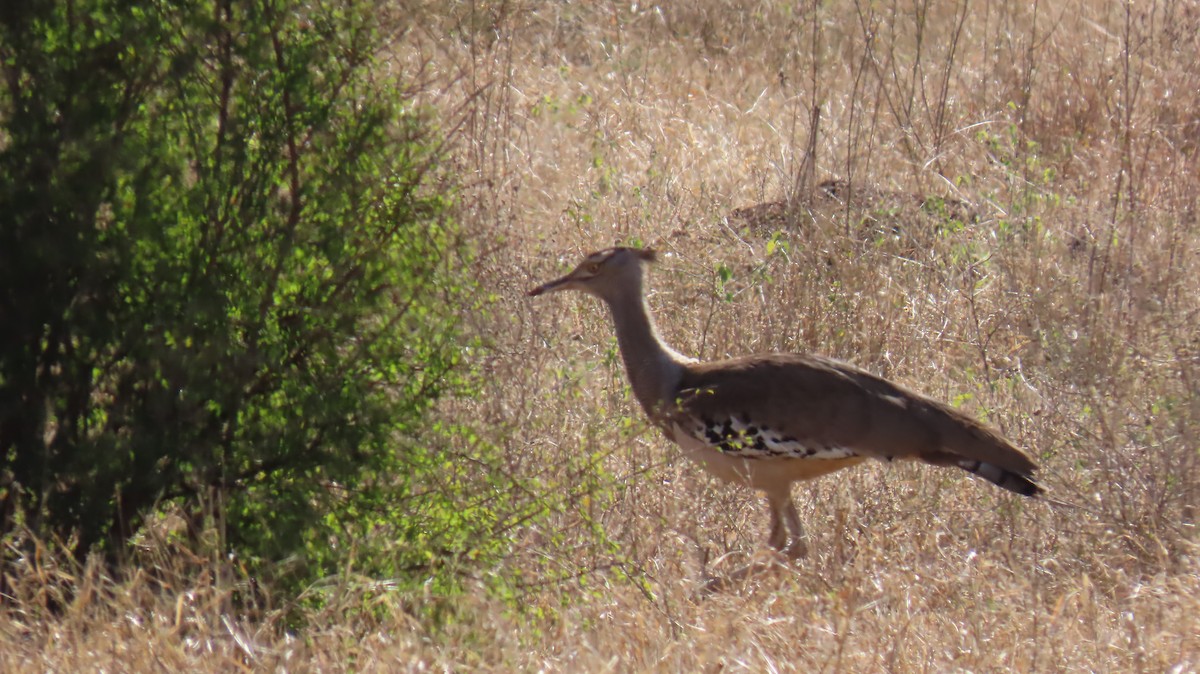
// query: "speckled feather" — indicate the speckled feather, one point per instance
point(742, 438)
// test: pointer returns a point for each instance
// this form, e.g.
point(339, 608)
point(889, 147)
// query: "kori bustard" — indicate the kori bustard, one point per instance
point(766, 421)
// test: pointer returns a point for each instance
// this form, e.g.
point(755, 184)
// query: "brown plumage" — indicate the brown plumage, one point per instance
point(825, 406)
point(770, 420)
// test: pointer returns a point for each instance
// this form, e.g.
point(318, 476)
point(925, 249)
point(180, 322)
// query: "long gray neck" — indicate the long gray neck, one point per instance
point(654, 368)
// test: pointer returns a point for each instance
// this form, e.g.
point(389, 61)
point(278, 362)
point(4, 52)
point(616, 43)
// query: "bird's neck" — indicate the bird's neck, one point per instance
point(654, 368)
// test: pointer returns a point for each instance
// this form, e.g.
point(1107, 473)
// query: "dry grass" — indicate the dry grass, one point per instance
point(1066, 313)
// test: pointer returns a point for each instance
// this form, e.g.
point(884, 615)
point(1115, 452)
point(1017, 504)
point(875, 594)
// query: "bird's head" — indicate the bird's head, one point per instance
point(602, 273)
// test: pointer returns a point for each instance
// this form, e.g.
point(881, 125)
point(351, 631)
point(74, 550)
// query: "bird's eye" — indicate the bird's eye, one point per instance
point(593, 268)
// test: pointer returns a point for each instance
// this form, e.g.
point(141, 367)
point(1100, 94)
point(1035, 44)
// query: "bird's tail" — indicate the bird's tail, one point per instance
point(1005, 479)
point(966, 444)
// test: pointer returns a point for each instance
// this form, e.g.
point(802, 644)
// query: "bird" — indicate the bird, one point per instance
point(770, 420)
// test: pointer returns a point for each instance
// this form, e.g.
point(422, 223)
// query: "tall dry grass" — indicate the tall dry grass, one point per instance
point(1065, 310)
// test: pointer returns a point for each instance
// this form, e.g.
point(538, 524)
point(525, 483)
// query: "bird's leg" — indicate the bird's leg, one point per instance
point(778, 537)
point(787, 534)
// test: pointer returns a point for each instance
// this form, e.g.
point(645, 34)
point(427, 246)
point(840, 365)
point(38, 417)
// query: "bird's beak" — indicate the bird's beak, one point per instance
point(556, 284)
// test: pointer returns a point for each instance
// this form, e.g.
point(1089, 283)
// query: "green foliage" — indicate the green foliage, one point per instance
point(724, 281)
point(228, 283)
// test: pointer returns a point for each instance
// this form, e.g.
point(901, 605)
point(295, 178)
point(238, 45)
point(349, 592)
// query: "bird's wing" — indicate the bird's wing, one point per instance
point(811, 407)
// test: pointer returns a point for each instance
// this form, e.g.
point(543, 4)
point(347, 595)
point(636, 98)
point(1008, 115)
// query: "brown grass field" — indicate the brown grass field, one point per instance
point(1016, 233)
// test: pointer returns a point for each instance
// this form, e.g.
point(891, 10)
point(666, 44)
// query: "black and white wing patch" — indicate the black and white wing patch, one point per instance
point(742, 438)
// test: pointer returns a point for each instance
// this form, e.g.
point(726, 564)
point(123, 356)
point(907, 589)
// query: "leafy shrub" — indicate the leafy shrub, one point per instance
point(228, 280)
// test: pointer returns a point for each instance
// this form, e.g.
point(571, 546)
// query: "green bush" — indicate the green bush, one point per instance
point(228, 280)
